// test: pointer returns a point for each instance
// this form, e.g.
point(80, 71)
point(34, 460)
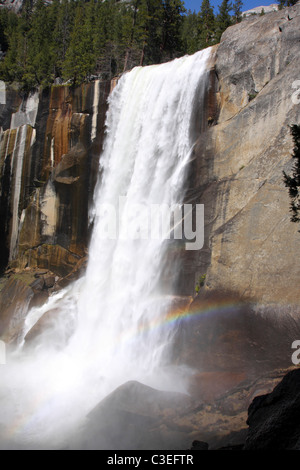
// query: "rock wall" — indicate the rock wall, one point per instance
point(250, 243)
point(49, 151)
point(50, 144)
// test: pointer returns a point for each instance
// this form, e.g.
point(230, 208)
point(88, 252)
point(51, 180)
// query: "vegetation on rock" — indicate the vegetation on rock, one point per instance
point(293, 182)
point(79, 40)
point(286, 3)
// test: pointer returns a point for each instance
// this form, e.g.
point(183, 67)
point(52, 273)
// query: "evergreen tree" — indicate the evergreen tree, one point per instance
point(207, 35)
point(190, 36)
point(223, 20)
point(62, 17)
point(79, 61)
point(4, 42)
point(39, 61)
point(74, 39)
point(237, 10)
point(142, 29)
point(172, 27)
point(105, 37)
point(286, 3)
point(23, 34)
point(9, 68)
point(154, 46)
point(293, 182)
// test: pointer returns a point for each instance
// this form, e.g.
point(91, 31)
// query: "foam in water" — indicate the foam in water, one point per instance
point(110, 326)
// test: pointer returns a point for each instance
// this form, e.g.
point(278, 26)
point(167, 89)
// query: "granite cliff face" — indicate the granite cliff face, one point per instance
point(50, 145)
point(247, 314)
point(49, 154)
point(250, 242)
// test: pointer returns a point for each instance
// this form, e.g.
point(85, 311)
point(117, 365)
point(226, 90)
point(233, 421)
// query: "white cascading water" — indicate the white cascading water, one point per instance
point(111, 325)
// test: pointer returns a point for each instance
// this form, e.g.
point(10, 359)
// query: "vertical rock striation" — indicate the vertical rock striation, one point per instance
point(49, 153)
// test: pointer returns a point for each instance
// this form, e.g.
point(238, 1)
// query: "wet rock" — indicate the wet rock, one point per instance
point(136, 416)
point(226, 339)
point(68, 169)
point(274, 419)
point(39, 274)
point(140, 416)
point(199, 445)
point(54, 258)
point(38, 284)
point(15, 298)
point(45, 322)
point(60, 162)
point(54, 328)
point(49, 281)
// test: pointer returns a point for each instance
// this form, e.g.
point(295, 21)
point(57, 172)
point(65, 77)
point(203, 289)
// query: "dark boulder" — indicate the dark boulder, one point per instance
point(274, 419)
point(199, 445)
point(136, 416)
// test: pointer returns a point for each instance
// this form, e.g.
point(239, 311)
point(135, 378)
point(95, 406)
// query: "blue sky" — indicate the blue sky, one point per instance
point(247, 4)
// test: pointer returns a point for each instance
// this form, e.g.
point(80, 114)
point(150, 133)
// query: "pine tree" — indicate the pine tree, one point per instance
point(286, 3)
point(224, 19)
point(62, 14)
point(104, 38)
point(293, 182)
point(172, 27)
point(237, 10)
point(141, 36)
point(10, 69)
point(4, 42)
point(39, 61)
point(207, 35)
point(190, 37)
point(153, 50)
point(79, 62)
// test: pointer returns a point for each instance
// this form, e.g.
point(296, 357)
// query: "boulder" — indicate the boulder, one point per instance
point(38, 284)
point(53, 329)
point(274, 418)
point(49, 281)
point(136, 416)
point(199, 445)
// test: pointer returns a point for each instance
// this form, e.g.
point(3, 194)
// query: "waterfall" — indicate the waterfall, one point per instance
point(111, 325)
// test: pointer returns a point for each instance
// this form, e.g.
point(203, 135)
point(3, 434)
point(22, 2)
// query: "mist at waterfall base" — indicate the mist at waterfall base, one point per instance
point(112, 325)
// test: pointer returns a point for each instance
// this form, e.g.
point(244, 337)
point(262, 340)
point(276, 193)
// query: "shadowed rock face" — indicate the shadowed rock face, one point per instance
point(135, 416)
point(222, 332)
point(273, 419)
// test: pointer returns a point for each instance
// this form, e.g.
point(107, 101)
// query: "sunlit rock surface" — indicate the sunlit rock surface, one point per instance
point(49, 153)
point(236, 347)
point(250, 242)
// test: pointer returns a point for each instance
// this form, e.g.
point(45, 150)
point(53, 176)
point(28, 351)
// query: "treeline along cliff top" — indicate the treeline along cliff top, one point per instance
point(77, 40)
